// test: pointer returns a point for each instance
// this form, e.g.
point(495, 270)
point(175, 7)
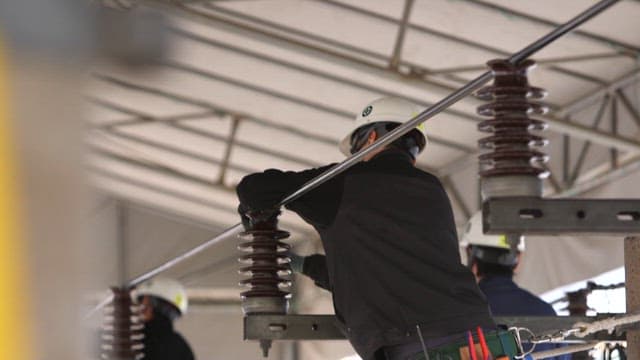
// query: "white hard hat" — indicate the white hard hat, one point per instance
point(386, 109)
point(168, 290)
point(473, 236)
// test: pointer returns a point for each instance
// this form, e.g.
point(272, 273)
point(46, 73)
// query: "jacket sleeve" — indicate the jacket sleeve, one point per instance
point(315, 267)
point(264, 190)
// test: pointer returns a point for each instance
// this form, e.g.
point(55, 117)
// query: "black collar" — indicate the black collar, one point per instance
point(393, 154)
point(159, 324)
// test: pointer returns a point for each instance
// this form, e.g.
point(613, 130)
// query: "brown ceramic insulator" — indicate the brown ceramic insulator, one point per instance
point(507, 123)
point(268, 262)
point(123, 330)
point(511, 145)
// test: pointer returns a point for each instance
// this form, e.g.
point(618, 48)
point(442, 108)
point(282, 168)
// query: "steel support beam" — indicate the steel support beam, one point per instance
point(635, 115)
point(587, 144)
point(402, 29)
point(553, 181)
point(235, 122)
point(593, 97)
point(566, 159)
point(326, 327)
point(532, 215)
point(614, 130)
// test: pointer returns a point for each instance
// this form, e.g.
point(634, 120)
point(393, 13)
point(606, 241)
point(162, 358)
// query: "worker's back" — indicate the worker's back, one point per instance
point(391, 249)
point(392, 256)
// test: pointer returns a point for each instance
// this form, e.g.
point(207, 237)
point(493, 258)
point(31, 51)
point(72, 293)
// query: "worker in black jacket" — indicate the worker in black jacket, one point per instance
point(163, 301)
point(387, 228)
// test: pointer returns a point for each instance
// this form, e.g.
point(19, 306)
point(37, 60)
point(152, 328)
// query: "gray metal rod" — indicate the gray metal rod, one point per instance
point(393, 135)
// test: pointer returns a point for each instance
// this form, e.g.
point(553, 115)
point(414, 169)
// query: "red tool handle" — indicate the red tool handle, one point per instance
point(472, 347)
point(486, 354)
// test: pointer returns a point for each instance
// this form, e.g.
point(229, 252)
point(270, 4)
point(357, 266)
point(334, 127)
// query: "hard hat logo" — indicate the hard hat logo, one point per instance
point(384, 110)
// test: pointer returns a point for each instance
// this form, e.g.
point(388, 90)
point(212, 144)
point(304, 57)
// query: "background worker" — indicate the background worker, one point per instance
point(493, 261)
point(387, 228)
point(163, 301)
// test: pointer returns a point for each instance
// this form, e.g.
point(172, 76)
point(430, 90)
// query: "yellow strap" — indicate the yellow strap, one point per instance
point(14, 319)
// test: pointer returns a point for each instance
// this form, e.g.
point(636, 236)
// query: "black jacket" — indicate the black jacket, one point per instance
point(161, 342)
point(391, 249)
point(506, 298)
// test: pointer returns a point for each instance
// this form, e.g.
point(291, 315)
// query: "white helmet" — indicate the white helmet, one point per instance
point(473, 235)
point(386, 109)
point(166, 289)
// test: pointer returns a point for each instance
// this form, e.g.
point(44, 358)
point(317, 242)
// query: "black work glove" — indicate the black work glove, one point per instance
point(266, 219)
point(297, 262)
